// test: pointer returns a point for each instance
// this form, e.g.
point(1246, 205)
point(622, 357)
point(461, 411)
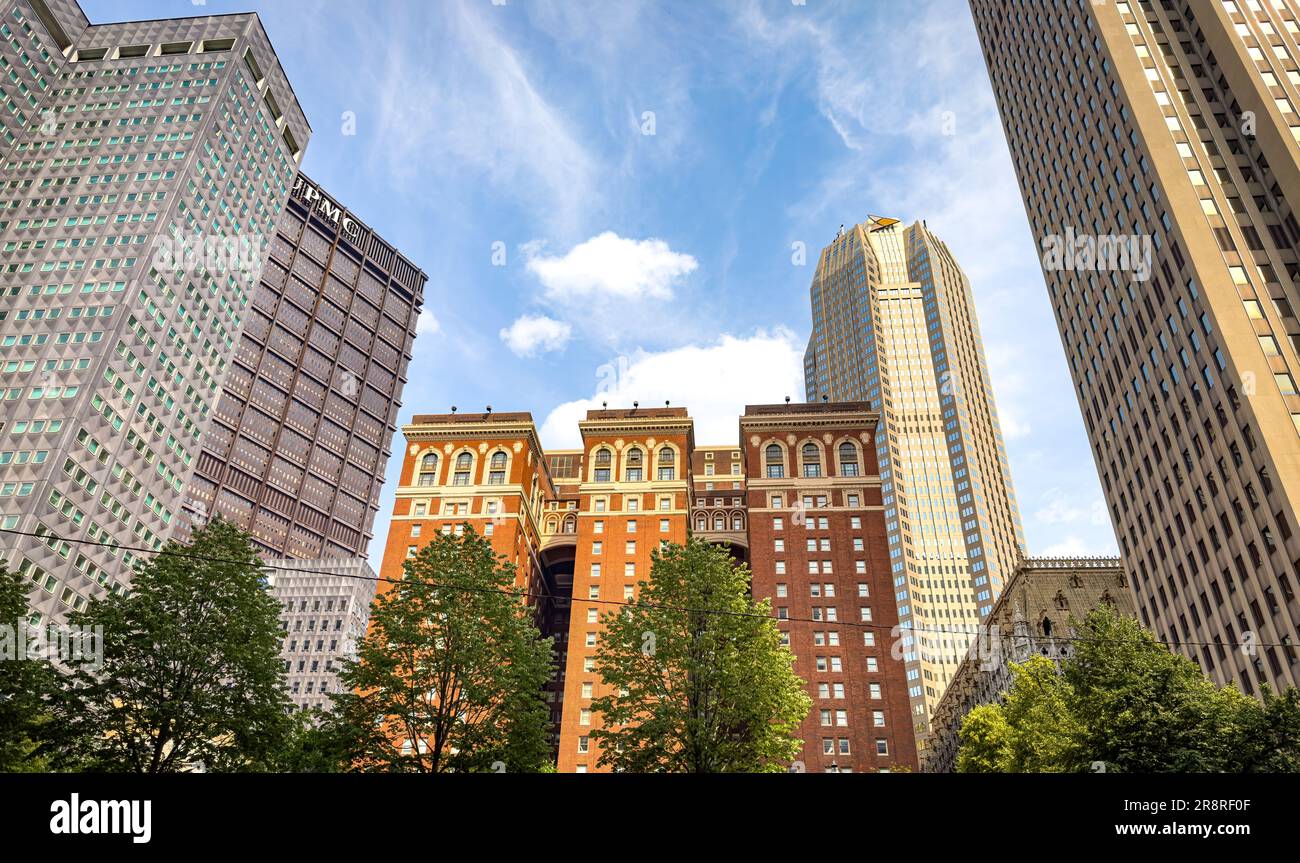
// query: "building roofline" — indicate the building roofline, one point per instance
point(256, 18)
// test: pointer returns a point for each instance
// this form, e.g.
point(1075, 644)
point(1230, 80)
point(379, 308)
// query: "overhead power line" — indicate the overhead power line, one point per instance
point(855, 624)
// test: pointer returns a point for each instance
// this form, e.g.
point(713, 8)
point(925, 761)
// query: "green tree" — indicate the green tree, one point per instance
point(1268, 739)
point(313, 743)
point(449, 677)
point(190, 668)
point(700, 681)
point(1123, 699)
point(985, 737)
point(1032, 731)
point(26, 685)
point(1145, 709)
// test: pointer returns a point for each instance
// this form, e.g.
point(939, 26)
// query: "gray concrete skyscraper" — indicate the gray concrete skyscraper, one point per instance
point(894, 325)
point(145, 166)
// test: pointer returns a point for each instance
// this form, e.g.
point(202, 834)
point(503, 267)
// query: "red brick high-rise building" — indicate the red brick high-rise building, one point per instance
point(581, 526)
point(819, 551)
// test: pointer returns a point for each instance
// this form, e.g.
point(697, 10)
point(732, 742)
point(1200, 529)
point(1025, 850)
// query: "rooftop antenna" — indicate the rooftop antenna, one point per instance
point(604, 405)
point(453, 408)
point(489, 409)
point(667, 403)
point(787, 400)
point(826, 398)
point(635, 405)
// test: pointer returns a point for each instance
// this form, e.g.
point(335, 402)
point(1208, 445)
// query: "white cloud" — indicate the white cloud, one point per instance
point(428, 324)
point(611, 266)
point(712, 381)
point(533, 334)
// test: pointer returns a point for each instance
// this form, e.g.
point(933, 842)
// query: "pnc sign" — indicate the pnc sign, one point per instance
point(880, 223)
point(317, 201)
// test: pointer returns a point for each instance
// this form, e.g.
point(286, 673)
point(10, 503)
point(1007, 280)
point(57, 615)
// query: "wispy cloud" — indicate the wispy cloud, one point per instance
point(458, 100)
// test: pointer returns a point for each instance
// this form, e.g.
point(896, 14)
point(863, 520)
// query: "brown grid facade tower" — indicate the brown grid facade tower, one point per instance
point(301, 435)
point(1171, 129)
point(120, 142)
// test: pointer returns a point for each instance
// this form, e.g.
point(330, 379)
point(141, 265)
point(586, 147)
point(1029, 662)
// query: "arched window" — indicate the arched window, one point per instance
point(775, 461)
point(570, 524)
point(701, 523)
point(497, 468)
point(719, 522)
point(428, 469)
point(604, 458)
point(737, 523)
point(812, 460)
point(464, 462)
point(634, 461)
point(667, 463)
point(848, 459)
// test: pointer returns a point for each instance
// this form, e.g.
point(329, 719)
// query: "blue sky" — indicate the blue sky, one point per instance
point(606, 196)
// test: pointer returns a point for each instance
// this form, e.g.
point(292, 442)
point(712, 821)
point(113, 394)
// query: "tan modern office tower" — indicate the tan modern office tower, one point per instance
point(1158, 151)
point(145, 166)
point(894, 325)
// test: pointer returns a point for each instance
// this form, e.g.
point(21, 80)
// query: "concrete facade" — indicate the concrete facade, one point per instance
point(326, 608)
point(1156, 146)
point(1031, 618)
point(145, 167)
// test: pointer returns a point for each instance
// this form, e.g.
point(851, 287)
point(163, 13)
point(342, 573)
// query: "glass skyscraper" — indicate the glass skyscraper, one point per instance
point(894, 325)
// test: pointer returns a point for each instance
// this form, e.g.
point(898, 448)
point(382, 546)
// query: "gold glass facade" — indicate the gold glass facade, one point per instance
point(894, 325)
